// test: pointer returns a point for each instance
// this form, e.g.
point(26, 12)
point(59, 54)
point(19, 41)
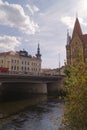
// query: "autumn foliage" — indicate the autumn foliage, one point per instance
point(75, 117)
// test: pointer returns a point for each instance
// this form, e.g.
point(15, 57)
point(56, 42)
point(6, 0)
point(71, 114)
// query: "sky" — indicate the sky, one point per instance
point(25, 23)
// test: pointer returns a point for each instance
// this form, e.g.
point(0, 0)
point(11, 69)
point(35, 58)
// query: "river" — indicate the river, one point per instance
point(37, 113)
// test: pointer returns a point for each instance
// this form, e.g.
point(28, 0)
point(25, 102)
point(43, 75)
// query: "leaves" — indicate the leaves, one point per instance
point(75, 116)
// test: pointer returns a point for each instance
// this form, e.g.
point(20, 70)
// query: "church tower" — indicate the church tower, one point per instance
point(77, 44)
point(38, 55)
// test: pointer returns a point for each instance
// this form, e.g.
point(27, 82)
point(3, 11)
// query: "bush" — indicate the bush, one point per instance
point(75, 117)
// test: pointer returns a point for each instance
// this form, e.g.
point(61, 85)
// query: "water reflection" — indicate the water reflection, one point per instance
point(44, 116)
point(12, 107)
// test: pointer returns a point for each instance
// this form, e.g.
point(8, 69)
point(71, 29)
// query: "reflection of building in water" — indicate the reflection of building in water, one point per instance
point(76, 45)
point(21, 61)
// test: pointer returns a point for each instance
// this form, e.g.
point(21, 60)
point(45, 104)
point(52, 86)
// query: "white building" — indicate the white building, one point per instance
point(21, 62)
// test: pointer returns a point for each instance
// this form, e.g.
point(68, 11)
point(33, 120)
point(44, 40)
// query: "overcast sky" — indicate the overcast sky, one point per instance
point(25, 23)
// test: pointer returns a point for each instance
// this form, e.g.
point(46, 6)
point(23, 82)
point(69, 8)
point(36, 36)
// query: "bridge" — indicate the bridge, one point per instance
point(29, 78)
point(36, 84)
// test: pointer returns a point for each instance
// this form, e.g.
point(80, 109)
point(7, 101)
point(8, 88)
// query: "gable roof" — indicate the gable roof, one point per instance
point(77, 29)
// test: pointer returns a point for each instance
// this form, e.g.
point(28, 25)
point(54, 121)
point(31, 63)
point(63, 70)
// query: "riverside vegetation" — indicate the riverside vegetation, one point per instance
point(75, 86)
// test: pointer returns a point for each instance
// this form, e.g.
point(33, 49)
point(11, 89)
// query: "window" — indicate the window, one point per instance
point(2, 61)
point(17, 67)
point(22, 67)
point(11, 67)
point(14, 67)
point(12, 61)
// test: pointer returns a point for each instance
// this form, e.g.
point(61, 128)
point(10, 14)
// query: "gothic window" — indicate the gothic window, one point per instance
point(75, 53)
point(76, 43)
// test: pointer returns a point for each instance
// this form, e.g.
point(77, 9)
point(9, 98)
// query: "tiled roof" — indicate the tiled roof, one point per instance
point(9, 53)
point(77, 28)
point(84, 38)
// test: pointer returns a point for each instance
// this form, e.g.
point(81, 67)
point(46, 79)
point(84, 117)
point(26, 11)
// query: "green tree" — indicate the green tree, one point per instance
point(75, 116)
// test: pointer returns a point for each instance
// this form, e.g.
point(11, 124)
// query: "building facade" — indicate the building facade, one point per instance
point(53, 72)
point(76, 45)
point(21, 62)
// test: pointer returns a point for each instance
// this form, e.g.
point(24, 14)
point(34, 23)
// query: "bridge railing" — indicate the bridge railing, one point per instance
point(32, 74)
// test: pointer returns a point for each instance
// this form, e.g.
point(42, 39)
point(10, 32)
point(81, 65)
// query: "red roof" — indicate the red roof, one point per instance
point(84, 38)
point(77, 28)
point(8, 53)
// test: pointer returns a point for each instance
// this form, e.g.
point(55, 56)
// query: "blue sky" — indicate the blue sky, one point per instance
point(25, 23)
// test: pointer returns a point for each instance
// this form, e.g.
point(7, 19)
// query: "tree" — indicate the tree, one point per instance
point(75, 116)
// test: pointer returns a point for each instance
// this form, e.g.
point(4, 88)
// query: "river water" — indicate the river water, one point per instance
point(37, 113)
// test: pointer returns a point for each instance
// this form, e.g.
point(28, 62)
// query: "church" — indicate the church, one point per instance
point(76, 45)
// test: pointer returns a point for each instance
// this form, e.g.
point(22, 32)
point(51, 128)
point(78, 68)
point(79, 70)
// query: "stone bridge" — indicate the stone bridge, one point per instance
point(40, 84)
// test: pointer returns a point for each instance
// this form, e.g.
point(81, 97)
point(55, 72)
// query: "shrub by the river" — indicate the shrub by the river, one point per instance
point(75, 116)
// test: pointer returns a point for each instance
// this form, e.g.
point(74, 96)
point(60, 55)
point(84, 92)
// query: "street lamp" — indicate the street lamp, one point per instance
point(59, 62)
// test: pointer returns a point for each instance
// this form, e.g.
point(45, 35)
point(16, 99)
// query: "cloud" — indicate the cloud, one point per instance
point(69, 21)
point(82, 8)
point(14, 16)
point(32, 8)
point(8, 43)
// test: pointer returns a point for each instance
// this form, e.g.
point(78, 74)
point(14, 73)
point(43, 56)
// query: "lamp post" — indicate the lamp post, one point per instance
point(59, 63)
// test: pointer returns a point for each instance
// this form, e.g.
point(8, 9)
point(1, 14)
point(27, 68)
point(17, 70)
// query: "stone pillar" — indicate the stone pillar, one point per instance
point(55, 87)
point(52, 87)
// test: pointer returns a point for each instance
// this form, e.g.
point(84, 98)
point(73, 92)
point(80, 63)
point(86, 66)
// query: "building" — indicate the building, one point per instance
point(53, 72)
point(21, 61)
point(76, 45)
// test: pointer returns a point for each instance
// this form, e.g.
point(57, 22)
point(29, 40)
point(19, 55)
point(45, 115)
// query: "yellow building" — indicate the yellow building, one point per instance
point(21, 62)
point(76, 45)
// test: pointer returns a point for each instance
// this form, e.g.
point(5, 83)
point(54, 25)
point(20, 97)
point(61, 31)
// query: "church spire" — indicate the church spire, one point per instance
point(38, 55)
point(68, 37)
point(77, 28)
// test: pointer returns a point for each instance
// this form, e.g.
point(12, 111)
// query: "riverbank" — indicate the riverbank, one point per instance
point(9, 108)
